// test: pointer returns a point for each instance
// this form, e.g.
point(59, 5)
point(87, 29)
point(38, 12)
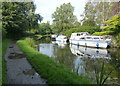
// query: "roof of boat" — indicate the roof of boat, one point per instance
point(92, 36)
point(86, 35)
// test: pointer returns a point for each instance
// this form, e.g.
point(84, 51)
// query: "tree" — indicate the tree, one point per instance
point(113, 24)
point(115, 8)
point(63, 18)
point(103, 12)
point(45, 29)
point(89, 23)
point(97, 12)
point(18, 17)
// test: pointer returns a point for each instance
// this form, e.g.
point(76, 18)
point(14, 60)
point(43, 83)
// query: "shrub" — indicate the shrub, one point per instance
point(30, 42)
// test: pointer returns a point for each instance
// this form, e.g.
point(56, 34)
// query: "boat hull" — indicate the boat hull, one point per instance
point(91, 43)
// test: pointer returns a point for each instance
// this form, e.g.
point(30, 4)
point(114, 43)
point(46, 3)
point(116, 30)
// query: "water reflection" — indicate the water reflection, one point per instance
point(83, 60)
point(91, 52)
point(60, 43)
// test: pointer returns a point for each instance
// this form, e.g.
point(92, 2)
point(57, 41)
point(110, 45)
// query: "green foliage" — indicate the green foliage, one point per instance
point(100, 75)
point(45, 29)
point(113, 24)
point(97, 12)
point(4, 68)
point(54, 73)
point(116, 43)
point(32, 31)
point(118, 37)
point(63, 18)
point(2, 31)
point(89, 23)
point(89, 29)
point(30, 42)
point(19, 17)
point(104, 33)
point(38, 36)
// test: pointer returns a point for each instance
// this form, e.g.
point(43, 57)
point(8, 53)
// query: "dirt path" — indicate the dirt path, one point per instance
point(19, 71)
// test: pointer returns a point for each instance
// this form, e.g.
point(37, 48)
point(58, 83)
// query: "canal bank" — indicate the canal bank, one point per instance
point(49, 69)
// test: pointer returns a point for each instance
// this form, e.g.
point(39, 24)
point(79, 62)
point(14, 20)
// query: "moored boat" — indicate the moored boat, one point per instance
point(54, 36)
point(62, 38)
point(84, 39)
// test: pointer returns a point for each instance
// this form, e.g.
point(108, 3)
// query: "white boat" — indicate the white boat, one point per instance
point(62, 38)
point(84, 39)
point(54, 36)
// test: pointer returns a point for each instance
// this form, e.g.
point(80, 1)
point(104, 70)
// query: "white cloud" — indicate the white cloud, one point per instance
point(47, 7)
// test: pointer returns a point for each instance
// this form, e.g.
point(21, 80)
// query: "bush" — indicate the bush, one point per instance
point(89, 29)
point(103, 33)
point(30, 42)
point(54, 73)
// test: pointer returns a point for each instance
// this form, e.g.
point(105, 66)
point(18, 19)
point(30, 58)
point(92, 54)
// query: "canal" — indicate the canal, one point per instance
point(83, 60)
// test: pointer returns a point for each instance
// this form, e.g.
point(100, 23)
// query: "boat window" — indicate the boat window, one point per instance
point(78, 34)
point(82, 38)
point(96, 38)
point(81, 33)
point(88, 37)
point(65, 37)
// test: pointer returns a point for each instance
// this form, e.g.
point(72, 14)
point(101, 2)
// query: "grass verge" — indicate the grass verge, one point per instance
point(49, 69)
point(3, 50)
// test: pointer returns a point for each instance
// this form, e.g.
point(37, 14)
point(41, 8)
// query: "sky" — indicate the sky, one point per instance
point(46, 7)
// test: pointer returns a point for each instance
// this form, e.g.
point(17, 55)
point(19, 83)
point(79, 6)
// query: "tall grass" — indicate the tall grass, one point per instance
point(101, 76)
point(49, 69)
point(30, 42)
point(4, 69)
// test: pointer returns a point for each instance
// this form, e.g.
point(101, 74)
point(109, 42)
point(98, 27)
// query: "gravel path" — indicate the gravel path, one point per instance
point(19, 71)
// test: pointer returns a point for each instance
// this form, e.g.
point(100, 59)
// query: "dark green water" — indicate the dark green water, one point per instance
point(83, 60)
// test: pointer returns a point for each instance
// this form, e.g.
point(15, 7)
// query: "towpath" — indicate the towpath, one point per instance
point(19, 71)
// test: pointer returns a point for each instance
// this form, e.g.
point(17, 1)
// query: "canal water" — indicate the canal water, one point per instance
point(83, 60)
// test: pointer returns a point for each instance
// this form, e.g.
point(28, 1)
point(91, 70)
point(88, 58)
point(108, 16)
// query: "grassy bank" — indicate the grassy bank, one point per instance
point(4, 47)
point(49, 69)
